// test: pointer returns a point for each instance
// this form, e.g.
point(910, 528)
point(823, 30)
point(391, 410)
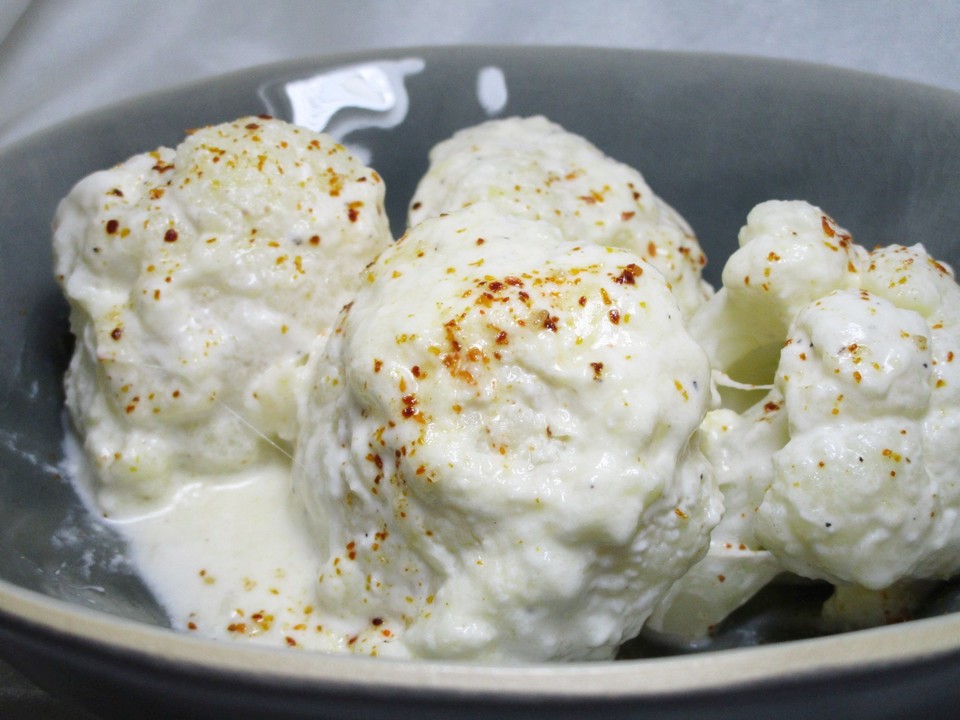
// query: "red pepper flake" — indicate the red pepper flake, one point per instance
point(486, 300)
point(112, 227)
point(252, 126)
point(377, 622)
point(191, 625)
point(377, 365)
point(117, 333)
point(940, 268)
point(480, 241)
point(451, 337)
point(290, 641)
point(415, 370)
point(314, 240)
point(353, 210)
point(170, 236)
point(597, 370)
point(409, 406)
point(513, 281)
point(614, 316)
point(827, 227)
point(502, 338)
point(116, 192)
point(417, 205)
point(627, 215)
point(582, 301)
point(629, 275)
point(548, 321)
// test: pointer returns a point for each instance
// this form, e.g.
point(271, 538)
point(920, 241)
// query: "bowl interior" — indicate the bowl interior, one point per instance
point(712, 135)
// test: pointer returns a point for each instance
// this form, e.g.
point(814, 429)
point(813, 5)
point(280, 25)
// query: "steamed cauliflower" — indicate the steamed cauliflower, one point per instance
point(849, 477)
point(514, 431)
point(738, 448)
point(533, 168)
point(498, 452)
point(198, 279)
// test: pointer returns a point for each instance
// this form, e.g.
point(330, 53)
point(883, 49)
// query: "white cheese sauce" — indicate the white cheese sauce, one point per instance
point(231, 560)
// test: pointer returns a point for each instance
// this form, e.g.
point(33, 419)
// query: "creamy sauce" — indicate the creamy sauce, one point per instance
point(230, 560)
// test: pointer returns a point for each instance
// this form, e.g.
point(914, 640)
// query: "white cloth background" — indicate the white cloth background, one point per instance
point(59, 58)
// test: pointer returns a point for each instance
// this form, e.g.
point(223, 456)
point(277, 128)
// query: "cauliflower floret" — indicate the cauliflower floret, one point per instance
point(791, 253)
point(498, 452)
point(533, 168)
point(864, 493)
point(738, 448)
point(198, 279)
point(839, 390)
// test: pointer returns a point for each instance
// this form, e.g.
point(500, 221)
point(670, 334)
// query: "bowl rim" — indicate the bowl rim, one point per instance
point(23, 610)
point(349, 57)
point(727, 670)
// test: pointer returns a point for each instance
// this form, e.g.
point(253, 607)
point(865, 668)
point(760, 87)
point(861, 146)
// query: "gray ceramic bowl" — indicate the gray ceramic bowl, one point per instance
point(713, 135)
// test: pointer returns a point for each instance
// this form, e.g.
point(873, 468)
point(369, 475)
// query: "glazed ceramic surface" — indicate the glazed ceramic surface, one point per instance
point(713, 135)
